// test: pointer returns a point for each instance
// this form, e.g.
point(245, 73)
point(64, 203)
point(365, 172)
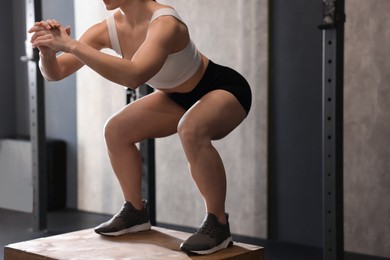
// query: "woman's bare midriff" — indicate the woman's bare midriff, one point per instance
point(191, 83)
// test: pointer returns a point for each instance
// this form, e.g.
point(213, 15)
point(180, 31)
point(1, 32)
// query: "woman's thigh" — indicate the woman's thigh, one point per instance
point(215, 115)
point(152, 116)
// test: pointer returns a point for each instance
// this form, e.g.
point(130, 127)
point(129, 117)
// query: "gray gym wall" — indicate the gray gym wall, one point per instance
point(295, 181)
point(7, 79)
point(97, 99)
point(60, 102)
point(367, 127)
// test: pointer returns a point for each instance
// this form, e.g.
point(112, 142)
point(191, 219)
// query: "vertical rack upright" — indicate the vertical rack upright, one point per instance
point(332, 125)
point(37, 121)
point(147, 150)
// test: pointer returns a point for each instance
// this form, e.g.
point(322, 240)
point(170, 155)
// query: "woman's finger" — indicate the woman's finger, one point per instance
point(37, 34)
point(53, 23)
point(68, 30)
point(42, 40)
point(41, 25)
point(36, 28)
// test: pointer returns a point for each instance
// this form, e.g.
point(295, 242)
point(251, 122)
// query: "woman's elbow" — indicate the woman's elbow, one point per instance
point(134, 82)
point(51, 78)
point(131, 85)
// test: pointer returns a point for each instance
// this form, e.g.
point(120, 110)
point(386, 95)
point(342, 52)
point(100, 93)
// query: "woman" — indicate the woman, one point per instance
point(199, 100)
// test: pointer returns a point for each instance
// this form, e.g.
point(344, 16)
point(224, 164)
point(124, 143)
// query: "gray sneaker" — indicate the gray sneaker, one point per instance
point(127, 220)
point(210, 237)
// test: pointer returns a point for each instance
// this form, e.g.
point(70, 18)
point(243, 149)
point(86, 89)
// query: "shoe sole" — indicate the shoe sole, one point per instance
point(225, 244)
point(133, 229)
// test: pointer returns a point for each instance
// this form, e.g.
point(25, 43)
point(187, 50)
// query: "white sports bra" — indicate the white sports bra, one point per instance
point(178, 67)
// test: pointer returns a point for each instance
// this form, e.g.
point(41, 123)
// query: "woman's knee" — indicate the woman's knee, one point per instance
point(192, 135)
point(115, 132)
point(109, 130)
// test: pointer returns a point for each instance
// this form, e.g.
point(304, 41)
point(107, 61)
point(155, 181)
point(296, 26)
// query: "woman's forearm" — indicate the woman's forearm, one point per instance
point(115, 69)
point(50, 67)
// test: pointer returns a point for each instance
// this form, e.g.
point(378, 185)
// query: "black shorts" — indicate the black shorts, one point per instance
point(216, 77)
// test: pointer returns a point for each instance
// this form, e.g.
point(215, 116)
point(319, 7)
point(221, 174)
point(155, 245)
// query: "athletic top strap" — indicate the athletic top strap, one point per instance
point(110, 20)
point(113, 34)
point(165, 12)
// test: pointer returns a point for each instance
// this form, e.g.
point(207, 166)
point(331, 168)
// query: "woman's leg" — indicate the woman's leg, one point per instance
point(152, 116)
point(212, 118)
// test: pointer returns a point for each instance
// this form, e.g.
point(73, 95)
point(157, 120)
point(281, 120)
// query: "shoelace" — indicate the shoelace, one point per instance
point(207, 229)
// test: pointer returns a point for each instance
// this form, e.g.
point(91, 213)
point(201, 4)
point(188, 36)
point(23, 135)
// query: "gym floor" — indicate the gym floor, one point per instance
point(16, 227)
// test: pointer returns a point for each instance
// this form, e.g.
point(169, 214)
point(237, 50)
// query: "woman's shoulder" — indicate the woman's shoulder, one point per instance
point(161, 8)
point(98, 28)
point(96, 35)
